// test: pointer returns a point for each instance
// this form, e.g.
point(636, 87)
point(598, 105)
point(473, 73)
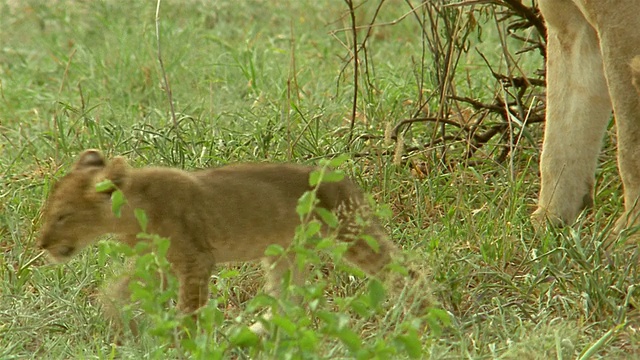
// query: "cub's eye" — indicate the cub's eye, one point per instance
point(62, 217)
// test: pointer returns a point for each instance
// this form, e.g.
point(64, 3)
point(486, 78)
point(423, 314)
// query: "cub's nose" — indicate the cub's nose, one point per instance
point(44, 244)
point(45, 241)
point(65, 251)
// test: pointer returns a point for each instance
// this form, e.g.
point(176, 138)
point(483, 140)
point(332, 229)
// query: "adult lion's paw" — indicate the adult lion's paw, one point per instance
point(542, 218)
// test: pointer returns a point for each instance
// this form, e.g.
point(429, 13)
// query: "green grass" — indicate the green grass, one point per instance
point(261, 81)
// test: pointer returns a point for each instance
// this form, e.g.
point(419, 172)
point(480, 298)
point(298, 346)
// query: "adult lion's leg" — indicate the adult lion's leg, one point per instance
point(578, 110)
point(620, 42)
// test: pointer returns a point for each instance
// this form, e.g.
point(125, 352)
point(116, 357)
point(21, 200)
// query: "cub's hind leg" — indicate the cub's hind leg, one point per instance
point(276, 269)
point(375, 259)
point(371, 259)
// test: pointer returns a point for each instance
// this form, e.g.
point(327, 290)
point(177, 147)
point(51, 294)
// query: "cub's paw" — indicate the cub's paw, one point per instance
point(259, 328)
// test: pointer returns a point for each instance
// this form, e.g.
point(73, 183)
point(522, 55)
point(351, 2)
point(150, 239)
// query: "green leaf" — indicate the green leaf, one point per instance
point(162, 296)
point(336, 161)
point(162, 246)
point(244, 337)
point(384, 211)
point(139, 292)
point(163, 328)
point(315, 177)
point(350, 339)
point(284, 324)
point(372, 242)
point(411, 344)
point(117, 202)
point(228, 273)
point(325, 176)
point(141, 216)
point(327, 217)
point(325, 243)
point(306, 203)
point(333, 176)
point(261, 301)
point(274, 250)
point(437, 319)
point(143, 261)
point(188, 344)
point(312, 228)
point(440, 315)
point(377, 293)
point(105, 185)
point(308, 342)
point(328, 317)
point(398, 268)
point(360, 307)
point(141, 247)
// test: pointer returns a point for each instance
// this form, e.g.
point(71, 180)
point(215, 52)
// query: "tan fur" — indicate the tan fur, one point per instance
point(231, 213)
point(591, 49)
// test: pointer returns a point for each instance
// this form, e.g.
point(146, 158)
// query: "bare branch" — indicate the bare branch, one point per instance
point(354, 33)
point(165, 78)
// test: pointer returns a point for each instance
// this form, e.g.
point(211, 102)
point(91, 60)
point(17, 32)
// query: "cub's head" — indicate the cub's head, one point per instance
point(75, 212)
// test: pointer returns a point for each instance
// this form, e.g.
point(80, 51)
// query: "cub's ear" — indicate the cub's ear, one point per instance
point(89, 159)
point(118, 171)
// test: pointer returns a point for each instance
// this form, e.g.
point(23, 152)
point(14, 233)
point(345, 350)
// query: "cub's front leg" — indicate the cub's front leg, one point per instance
point(193, 277)
point(116, 294)
point(193, 274)
point(112, 298)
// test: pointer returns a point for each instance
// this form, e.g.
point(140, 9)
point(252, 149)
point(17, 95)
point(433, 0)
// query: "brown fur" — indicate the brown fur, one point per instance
point(225, 214)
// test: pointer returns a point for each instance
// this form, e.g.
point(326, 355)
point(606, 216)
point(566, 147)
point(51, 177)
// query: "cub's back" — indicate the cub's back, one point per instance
point(288, 180)
point(293, 177)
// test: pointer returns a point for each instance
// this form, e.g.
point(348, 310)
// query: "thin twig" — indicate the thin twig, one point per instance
point(66, 72)
point(355, 70)
point(372, 25)
point(292, 82)
point(533, 18)
point(369, 64)
point(167, 87)
point(396, 129)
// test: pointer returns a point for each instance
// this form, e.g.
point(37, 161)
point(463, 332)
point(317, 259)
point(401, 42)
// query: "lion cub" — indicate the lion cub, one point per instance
point(231, 213)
